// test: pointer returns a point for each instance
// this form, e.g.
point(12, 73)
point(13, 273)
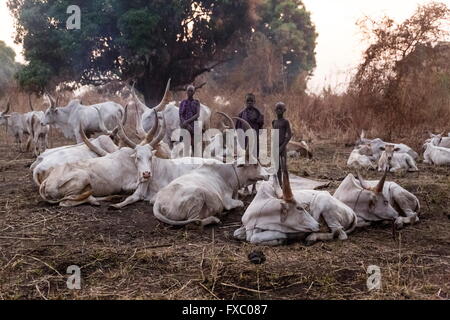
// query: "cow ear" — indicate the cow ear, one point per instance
point(397, 149)
point(133, 156)
point(382, 148)
point(154, 152)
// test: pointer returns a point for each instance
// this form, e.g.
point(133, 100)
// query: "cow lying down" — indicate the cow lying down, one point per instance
point(277, 215)
point(378, 201)
point(362, 158)
point(97, 179)
point(203, 194)
point(393, 160)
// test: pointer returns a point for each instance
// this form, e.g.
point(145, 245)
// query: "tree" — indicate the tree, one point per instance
point(404, 77)
point(146, 40)
point(8, 67)
point(288, 25)
point(281, 49)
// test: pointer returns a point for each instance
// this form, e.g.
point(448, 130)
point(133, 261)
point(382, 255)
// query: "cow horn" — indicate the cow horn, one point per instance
point(98, 151)
point(8, 106)
point(124, 121)
point(136, 97)
point(125, 138)
point(380, 185)
point(287, 191)
point(276, 187)
point(160, 107)
point(228, 118)
point(29, 102)
point(249, 127)
point(102, 123)
point(362, 181)
point(150, 135)
point(160, 135)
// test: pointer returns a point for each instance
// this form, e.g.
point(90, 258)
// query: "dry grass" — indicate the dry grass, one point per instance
point(129, 255)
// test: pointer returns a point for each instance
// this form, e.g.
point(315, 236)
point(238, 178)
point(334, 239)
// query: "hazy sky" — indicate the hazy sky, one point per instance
point(339, 44)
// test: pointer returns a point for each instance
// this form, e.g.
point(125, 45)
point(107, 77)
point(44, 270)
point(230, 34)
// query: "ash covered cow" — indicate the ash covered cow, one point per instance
point(277, 215)
point(393, 160)
point(378, 201)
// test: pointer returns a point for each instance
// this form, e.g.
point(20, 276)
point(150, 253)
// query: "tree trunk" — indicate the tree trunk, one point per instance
point(152, 88)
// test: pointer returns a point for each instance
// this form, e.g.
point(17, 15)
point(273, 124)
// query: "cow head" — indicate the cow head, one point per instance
point(144, 152)
point(436, 139)
point(373, 202)
point(365, 149)
point(290, 206)
point(52, 114)
point(389, 150)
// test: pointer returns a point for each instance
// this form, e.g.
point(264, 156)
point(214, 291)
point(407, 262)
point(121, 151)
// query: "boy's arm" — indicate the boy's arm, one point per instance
point(288, 136)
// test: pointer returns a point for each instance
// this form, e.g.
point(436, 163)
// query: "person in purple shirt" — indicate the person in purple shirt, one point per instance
point(189, 112)
point(253, 116)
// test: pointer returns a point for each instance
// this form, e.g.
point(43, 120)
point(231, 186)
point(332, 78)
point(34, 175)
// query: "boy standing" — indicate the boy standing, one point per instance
point(285, 135)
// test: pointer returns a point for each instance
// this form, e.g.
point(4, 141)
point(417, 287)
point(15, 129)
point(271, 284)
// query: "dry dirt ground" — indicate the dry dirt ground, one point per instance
point(129, 255)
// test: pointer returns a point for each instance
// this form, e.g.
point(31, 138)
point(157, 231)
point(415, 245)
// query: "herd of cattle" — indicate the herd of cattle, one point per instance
point(200, 190)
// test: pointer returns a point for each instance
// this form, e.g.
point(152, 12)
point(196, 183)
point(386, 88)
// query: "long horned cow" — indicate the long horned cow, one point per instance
point(171, 114)
point(98, 179)
point(74, 114)
point(378, 201)
point(277, 215)
point(54, 157)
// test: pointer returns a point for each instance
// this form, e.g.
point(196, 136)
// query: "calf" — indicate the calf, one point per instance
point(394, 161)
point(17, 124)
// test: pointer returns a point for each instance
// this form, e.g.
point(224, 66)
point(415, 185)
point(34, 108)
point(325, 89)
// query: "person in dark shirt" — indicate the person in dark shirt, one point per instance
point(253, 116)
point(285, 135)
point(189, 112)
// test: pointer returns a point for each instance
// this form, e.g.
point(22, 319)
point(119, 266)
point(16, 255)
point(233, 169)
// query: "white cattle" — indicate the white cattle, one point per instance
point(38, 132)
point(378, 201)
point(439, 140)
point(203, 194)
point(361, 158)
point(378, 143)
point(16, 124)
point(69, 118)
point(111, 174)
point(52, 158)
point(277, 215)
point(171, 114)
point(394, 161)
point(438, 156)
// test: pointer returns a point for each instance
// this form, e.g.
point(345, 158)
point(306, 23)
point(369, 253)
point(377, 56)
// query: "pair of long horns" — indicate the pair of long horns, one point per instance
point(53, 103)
point(378, 188)
point(150, 136)
point(160, 107)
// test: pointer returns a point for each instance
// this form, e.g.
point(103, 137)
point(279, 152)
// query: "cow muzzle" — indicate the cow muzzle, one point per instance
point(146, 175)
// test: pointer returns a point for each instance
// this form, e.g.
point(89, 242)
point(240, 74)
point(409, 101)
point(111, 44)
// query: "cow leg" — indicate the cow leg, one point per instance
point(230, 204)
point(240, 234)
point(362, 223)
point(210, 220)
point(74, 203)
point(28, 146)
point(135, 197)
point(268, 238)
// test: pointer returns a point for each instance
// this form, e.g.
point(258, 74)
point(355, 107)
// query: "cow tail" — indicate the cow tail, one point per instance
point(162, 218)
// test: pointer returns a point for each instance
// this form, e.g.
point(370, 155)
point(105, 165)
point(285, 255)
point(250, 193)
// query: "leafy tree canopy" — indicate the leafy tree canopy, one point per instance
point(8, 67)
point(146, 40)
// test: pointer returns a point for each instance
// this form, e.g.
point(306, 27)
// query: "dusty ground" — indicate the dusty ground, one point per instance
point(129, 255)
